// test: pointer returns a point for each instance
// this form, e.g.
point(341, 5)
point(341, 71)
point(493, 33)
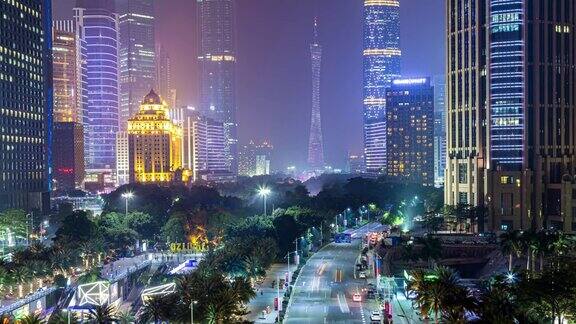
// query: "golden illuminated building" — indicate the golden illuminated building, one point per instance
point(155, 143)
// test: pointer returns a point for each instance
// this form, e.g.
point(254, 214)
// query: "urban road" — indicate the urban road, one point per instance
point(323, 292)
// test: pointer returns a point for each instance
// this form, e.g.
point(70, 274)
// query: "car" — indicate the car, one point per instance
point(370, 295)
point(375, 317)
point(362, 275)
point(357, 297)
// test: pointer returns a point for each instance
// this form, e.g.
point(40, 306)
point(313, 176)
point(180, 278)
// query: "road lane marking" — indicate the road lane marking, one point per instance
point(343, 303)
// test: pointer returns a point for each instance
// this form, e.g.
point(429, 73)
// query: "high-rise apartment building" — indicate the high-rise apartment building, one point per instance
point(154, 143)
point(315, 142)
point(439, 129)
point(356, 164)
point(25, 104)
point(217, 61)
point(136, 54)
point(511, 111)
point(410, 131)
point(98, 23)
point(382, 56)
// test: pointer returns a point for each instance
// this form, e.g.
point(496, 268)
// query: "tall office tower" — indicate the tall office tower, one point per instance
point(98, 23)
point(382, 56)
point(122, 158)
point(136, 54)
point(525, 155)
point(410, 134)
point(315, 143)
point(209, 152)
point(217, 59)
point(163, 72)
point(68, 155)
point(439, 129)
point(70, 104)
point(154, 143)
point(356, 164)
point(26, 104)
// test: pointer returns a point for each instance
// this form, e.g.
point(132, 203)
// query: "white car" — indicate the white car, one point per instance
point(362, 275)
point(357, 297)
point(375, 317)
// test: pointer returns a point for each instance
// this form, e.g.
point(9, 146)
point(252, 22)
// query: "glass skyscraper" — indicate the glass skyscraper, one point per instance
point(217, 59)
point(382, 58)
point(98, 22)
point(439, 129)
point(136, 55)
point(512, 112)
point(25, 104)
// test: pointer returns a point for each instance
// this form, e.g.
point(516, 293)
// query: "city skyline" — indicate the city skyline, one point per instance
point(285, 30)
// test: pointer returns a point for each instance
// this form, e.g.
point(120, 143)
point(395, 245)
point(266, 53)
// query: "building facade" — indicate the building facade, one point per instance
point(122, 159)
point(356, 164)
point(68, 155)
point(255, 159)
point(25, 104)
point(154, 143)
point(523, 167)
point(209, 152)
point(439, 129)
point(137, 59)
point(315, 141)
point(217, 62)
point(410, 131)
point(382, 58)
point(98, 23)
point(163, 72)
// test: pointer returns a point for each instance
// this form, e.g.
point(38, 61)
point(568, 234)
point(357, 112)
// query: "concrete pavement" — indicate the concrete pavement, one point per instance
point(265, 294)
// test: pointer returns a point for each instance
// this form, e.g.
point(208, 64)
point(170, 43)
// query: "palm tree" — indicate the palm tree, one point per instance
point(155, 309)
point(252, 268)
point(20, 276)
point(431, 249)
point(497, 303)
point(103, 314)
point(126, 318)
point(31, 319)
point(528, 241)
point(510, 245)
point(62, 318)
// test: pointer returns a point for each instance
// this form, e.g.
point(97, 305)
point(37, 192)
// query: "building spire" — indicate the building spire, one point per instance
point(315, 29)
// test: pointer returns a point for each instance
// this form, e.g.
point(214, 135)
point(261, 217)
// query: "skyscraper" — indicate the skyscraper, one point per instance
point(136, 54)
point(209, 150)
point(163, 72)
point(254, 159)
point(26, 104)
point(154, 143)
point(410, 131)
point(511, 113)
point(315, 143)
point(217, 59)
point(439, 129)
point(70, 104)
point(98, 23)
point(382, 57)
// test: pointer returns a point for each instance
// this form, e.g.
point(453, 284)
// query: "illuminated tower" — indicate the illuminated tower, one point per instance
point(136, 54)
point(98, 23)
point(315, 144)
point(382, 56)
point(154, 143)
point(217, 61)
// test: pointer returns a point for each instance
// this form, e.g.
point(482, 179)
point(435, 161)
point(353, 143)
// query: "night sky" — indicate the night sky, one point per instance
point(274, 77)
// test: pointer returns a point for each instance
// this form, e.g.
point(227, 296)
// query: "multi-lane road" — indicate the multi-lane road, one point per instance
point(324, 290)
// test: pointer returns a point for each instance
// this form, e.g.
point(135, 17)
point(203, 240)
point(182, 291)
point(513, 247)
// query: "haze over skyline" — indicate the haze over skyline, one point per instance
point(274, 76)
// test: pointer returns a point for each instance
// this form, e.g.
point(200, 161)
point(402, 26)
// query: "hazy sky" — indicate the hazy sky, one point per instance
point(274, 77)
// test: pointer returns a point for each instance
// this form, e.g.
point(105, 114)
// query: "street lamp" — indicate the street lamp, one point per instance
point(127, 196)
point(192, 303)
point(264, 192)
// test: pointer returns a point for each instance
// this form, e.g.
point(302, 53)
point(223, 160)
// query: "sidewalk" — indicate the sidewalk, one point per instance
point(265, 294)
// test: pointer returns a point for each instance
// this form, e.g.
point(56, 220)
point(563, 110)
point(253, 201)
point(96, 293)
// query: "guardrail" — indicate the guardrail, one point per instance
point(129, 271)
point(21, 302)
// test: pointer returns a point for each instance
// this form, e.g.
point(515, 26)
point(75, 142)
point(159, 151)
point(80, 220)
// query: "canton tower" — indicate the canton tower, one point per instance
point(315, 144)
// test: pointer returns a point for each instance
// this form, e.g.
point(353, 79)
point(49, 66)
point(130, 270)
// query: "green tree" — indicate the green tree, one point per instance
point(76, 228)
point(31, 319)
point(103, 314)
point(510, 245)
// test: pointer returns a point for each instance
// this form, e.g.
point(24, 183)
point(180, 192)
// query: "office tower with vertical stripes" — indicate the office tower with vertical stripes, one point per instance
point(512, 112)
point(137, 59)
point(217, 61)
point(382, 58)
